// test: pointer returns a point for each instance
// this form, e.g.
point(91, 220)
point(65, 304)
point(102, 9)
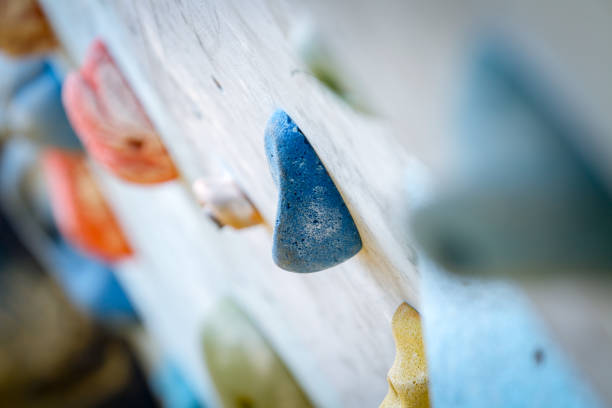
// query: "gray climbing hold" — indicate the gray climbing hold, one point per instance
point(314, 230)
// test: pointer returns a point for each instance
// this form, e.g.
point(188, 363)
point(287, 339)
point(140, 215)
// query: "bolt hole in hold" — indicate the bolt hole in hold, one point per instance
point(225, 203)
point(315, 54)
point(314, 229)
point(135, 143)
point(538, 356)
point(79, 208)
point(106, 116)
point(408, 378)
point(244, 368)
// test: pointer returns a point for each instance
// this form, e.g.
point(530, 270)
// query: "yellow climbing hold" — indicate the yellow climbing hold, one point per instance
point(408, 379)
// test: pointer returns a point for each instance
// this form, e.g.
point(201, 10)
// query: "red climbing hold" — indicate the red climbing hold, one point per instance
point(111, 123)
point(80, 210)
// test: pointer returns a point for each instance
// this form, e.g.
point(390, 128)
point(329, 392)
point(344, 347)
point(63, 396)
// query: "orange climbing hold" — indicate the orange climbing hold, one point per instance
point(110, 121)
point(80, 210)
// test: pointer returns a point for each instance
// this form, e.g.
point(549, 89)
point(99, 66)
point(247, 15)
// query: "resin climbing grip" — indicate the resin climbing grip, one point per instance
point(527, 199)
point(14, 75)
point(317, 57)
point(408, 378)
point(36, 112)
point(90, 284)
point(225, 203)
point(245, 370)
point(80, 210)
point(112, 124)
point(24, 29)
point(314, 229)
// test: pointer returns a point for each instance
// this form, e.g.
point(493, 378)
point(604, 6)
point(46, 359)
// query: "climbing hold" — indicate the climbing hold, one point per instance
point(244, 368)
point(36, 111)
point(526, 198)
point(172, 387)
point(81, 213)
point(14, 74)
point(225, 202)
point(480, 339)
point(314, 230)
point(110, 121)
point(24, 29)
point(408, 378)
point(89, 283)
point(314, 52)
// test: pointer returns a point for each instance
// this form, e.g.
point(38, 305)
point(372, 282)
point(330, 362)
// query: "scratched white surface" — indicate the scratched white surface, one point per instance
point(209, 73)
point(332, 328)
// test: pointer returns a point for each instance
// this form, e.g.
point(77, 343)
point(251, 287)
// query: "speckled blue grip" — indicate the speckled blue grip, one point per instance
point(314, 230)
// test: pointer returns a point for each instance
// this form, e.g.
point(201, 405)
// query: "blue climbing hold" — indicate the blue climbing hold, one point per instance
point(90, 284)
point(36, 111)
point(527, 198)
point(172, 387)
point(487, 347)
point(314, 230)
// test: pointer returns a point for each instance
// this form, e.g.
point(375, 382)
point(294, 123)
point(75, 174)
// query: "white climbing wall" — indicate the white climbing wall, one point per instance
point(209, 74)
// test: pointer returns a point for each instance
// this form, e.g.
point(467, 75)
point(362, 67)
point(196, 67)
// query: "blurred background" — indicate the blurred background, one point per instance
point(69, 334)
point(471, 144)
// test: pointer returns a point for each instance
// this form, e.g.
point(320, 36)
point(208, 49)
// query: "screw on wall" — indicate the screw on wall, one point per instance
point(225, 203)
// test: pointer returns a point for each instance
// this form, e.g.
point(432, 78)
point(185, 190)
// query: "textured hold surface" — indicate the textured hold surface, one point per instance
point(81, 213)
point(487, 348)
point(225, 202)
point(245, 370)
point(314, 230)
point(24, 28)
point(408, 379)
point(110, 121)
